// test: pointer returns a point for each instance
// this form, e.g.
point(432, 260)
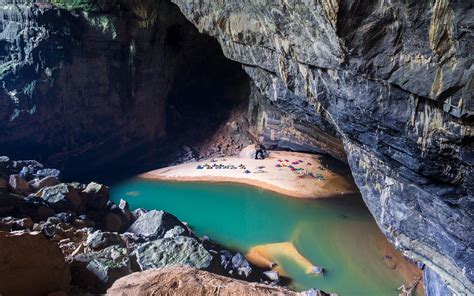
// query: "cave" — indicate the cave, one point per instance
point(144, 94)
point(378, 93)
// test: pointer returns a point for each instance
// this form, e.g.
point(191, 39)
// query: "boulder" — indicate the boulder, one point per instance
point(272, 275)
point(100, 240)
point(115, 222)
point(62, 197)
point(97, 195)
point(179, 280)
point(31, 265)
point(154, 224)
point(43, 173)
point(241, 265)
point(27, 168)
point(317, 270)
point(248, 152)
point(18, 184)
point(180, 250)
point(37, 184)
point(96, 271)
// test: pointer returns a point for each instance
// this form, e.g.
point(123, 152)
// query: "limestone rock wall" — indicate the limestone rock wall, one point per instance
point(394, 81)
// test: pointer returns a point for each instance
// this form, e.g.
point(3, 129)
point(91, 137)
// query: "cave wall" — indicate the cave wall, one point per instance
point(86, 84)
point(394, 81)
point(389, 83)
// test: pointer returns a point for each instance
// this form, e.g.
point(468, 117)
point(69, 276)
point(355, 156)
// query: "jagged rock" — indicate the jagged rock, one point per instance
point(38, 184)
point(27, 168)
point(97, 195)
point(31, 265)
point(389, 83)
point(180, 250)
point(96, 271)
point(175, 232)
point(62, 197)
point(138, 212)
point(189, 281)
point(154, 224)
point(99, 240)
point(44, 173)
point(272, 275)
point(18, 184)
point(241, 265)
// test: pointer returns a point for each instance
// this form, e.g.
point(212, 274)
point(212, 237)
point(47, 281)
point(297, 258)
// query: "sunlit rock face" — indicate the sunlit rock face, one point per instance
point(394, 81)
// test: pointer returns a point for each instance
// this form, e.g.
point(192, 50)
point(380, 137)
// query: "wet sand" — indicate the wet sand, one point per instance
point(288, 173)
point(264, 256)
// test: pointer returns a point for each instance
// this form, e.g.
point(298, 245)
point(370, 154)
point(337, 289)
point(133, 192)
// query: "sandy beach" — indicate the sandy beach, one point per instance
point(290, 173)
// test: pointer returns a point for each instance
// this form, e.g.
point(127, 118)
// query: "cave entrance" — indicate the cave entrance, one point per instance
point(206, 106)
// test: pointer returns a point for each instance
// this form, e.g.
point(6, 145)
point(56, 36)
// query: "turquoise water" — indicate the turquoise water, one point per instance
point(337, 234)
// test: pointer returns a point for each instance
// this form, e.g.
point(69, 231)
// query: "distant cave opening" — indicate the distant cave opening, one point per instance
point(203, 93)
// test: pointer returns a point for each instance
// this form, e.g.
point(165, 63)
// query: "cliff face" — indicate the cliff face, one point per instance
point(387, 84)
point(88, 82)
point(393, 81)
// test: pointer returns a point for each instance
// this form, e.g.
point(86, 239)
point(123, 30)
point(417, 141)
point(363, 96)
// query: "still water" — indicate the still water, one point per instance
point(337, 234)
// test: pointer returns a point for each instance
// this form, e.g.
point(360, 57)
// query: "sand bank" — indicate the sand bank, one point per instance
point(290, 173)
point(266, 255)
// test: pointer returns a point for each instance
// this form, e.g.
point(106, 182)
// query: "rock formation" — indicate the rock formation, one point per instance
point(394, 82)
point(190, 281)
point(71, 237)
point(31, 265)
point(385, 85)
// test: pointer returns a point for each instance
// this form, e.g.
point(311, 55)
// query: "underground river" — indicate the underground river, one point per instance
point(338, 234)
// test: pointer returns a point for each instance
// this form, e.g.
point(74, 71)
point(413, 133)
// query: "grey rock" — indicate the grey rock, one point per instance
point(240, 264)
point(99, 240)
point(43, 173)
point(154, 224)
point(389, 84)
point(272, 275)
point(96, 271)
point(175, 232)
point(179, 250)
point(434, 285)
point(62, 197)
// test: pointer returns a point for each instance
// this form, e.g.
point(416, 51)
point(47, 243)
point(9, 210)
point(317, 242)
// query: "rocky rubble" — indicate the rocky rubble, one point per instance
point(96, 241)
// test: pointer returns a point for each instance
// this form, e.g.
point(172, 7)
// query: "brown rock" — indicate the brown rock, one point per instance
point(188, 281)
point(18, 184)
point(38, 184)
point(3, 183)
point(31, 265)
point(113, 222)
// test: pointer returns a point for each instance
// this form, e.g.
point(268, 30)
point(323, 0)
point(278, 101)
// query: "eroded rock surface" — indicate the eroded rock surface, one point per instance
point(31, 265)
point(188, 281)
point(394, 82)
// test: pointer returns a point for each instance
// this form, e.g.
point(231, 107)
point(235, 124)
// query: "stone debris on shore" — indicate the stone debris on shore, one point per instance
point(96, 240)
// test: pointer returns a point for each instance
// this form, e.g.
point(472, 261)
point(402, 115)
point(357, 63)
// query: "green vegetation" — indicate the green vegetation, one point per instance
point(84, 5)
